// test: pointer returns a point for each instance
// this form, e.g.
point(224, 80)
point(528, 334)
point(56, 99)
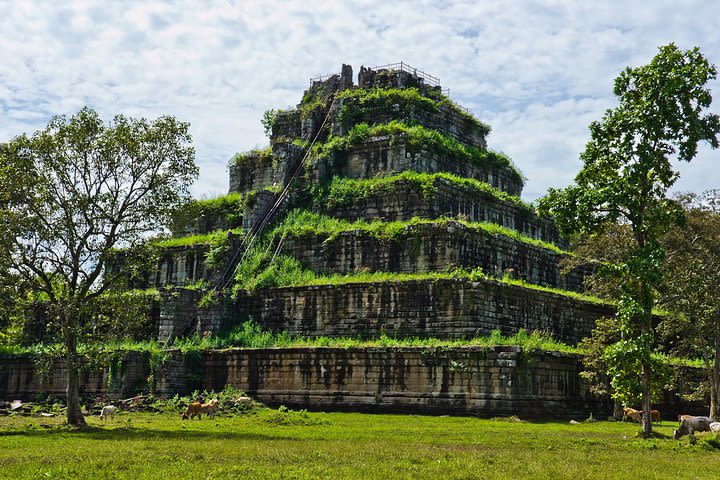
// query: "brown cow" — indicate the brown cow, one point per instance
point(632, 413)
point(655, 414)
point(197, 409)
point(637, 414)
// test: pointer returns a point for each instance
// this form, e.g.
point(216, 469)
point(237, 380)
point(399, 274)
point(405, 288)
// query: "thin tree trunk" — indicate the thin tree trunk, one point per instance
point(646, 396)
point(646, 418)
point(710, 368)
point(715, 399)
point(75, 416)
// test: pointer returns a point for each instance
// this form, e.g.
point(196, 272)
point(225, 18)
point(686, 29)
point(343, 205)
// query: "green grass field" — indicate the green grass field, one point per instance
point(273, 444)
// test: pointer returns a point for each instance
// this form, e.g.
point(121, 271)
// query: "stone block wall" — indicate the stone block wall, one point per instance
point(406, 201)
point(487, 382)
point(467, 381)
point(433, 248)
point(261, 208)
point(178, 313)
point(257, 173)
point(208, 223)
point(445, 120)
point(180, 265)
point(19, 378)
point(287, 125)
point(383, 154)
point(423, 308)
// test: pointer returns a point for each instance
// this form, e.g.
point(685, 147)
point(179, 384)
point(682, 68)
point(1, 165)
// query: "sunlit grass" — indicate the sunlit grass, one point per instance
point(345, 445)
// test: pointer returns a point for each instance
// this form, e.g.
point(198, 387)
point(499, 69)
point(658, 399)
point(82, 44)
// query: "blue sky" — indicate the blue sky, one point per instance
point(537, 72)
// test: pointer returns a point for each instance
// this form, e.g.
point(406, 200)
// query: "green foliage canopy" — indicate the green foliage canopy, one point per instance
point(81, 189)
point(627, 172)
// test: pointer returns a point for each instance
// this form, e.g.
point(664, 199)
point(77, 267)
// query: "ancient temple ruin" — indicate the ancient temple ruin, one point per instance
point(377, 211)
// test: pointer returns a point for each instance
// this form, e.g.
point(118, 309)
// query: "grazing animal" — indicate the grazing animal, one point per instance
point(194, 409)
point(211, 407)
point(197, 409)
point(637, 414)
point(655, 414)
point(715, 427)
point(689, 426)
point(108, 411)
point(683, 417)
point(632, 413)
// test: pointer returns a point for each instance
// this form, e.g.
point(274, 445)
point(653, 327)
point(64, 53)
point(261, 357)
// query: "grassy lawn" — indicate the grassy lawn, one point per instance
point(272, 444)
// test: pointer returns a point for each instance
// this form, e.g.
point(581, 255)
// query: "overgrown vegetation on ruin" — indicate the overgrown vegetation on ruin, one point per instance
point(300, 223)
point(261, 156)
point(228, 206)
point(342, 191)
point(261, 268)
point(362, 104)
point(417, 138)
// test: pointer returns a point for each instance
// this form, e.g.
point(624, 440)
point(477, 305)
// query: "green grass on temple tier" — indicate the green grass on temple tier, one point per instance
point(301, 445)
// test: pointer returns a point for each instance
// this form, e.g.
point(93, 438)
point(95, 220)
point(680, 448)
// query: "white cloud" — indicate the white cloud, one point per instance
point(538, 72)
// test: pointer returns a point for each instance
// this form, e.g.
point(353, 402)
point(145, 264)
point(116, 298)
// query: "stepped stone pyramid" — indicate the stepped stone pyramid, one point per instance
point(396, 153)
point(377, 211)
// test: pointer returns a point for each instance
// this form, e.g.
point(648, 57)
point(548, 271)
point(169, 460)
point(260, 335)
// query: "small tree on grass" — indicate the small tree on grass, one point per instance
point(74, 192)
point(627, 171)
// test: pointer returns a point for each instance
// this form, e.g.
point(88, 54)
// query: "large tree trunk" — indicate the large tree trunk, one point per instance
point(618, 412)
point(75, 416)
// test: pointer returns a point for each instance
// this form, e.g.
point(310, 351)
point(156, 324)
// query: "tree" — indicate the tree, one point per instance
point(690, 291)
point(627, 171)
point(77, 190)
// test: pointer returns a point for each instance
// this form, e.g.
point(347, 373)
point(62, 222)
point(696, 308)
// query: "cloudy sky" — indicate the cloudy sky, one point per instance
point(537, 72)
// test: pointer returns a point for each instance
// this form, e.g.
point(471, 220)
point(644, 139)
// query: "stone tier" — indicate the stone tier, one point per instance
point(257, 171)
point(433, 247)
point(175, 266)
point(380, 155)
point(446, 120)
point(368, 159)
point(181, 265)
point(487, 382)
point(406, 200)
point(433, 308)
point(289, 124)
point(422, 308)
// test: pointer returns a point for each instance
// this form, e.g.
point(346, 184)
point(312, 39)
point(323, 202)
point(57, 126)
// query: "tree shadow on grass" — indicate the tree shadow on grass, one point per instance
point(140, 433)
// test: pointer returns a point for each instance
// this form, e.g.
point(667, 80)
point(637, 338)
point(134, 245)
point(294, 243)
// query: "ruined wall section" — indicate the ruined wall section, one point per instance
point(405, 201)
point(446, 119)
point(264, 169)
point(433, 247)
point(450, 309)
point(381, 155)
point(19, 378)
point(487, 382)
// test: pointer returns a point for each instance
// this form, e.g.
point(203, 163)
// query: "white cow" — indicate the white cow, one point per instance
point(108, 411)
